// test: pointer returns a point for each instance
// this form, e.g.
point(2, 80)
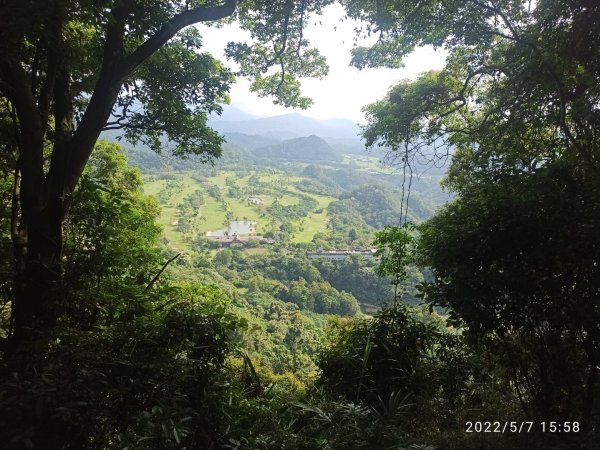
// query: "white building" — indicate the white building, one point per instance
point(255, 200)
point(340, 255)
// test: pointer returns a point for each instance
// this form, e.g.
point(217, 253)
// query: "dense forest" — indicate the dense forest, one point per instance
point(165, 285)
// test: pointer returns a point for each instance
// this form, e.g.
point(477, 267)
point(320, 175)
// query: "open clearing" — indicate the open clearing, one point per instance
point(273, 186)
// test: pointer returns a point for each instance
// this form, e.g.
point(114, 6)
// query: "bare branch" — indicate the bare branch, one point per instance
point(162, 270)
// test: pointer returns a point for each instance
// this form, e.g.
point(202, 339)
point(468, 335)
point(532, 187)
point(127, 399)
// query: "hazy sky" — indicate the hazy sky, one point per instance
point(345, 90)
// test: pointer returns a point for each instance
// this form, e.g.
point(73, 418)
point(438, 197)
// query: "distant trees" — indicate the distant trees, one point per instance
point(357, 276)
point(352, 235)
point(223, 257)
point(380, 206)
point(305, 286)
point(214, 191)
point(195, 200)
point(188, 210)
point(317, 186)
point(321, 298)
point(296, 211)
point(344, 216)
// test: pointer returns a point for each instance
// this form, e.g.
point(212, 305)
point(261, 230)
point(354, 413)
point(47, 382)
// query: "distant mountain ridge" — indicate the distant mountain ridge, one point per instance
point(311, 148)
point(233, 114)
point(289, 136)
point(249, 141)
point(286, 126)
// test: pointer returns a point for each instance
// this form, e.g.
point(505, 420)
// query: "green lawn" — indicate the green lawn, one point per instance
point(213, 215)
point(314, 223)
point(365, 163)
point(154, 187)
point(169, 210)
point(257, 251)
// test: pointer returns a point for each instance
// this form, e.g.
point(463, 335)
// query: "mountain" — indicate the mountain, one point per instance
point(249, 141)
point(379, 206)
point(288, 126)
point(232, 114)
point(347, 146)
point(311, 148)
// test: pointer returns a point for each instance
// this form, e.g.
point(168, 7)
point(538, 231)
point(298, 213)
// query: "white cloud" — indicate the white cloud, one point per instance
point(345, 90)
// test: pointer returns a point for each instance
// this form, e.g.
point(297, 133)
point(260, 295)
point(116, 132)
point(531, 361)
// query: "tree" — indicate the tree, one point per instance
point(515, 255)
point(399, 351)
point(352, 235)
point(69, 70)
point(517, 262)
point(110, 232)
point(224, 257)
point(518, 78)
point(395, 250)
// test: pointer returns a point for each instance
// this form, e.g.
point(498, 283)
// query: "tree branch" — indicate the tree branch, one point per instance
point(116, 68)
point(516, 37)
point(155, 279)
point(46, 92)
point(104, 96)
point(169, 29)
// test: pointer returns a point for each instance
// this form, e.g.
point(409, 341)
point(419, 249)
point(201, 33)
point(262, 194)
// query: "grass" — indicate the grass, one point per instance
point(365, 163)
point(154, 187)
point(315, 222)
point(169, 210)
point(257, 251)
point(285, 200)
point(213, 215)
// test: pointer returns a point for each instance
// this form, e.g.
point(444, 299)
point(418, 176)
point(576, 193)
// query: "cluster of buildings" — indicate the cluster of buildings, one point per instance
point(340, 255)
point(235, 239)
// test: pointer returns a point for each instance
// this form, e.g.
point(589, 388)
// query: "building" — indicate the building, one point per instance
point(234, 239)
point(340, 255)
point(255, 200)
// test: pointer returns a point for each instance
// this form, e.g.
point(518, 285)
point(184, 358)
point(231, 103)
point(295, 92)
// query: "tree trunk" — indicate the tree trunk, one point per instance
point(43, 197)
point(38, 279)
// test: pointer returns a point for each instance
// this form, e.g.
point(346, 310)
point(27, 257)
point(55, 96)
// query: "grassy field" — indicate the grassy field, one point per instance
point(315, 222)
point(310, 226)
point(366, 163)
point(257, 251)
point(213, 213)
point(169, 210)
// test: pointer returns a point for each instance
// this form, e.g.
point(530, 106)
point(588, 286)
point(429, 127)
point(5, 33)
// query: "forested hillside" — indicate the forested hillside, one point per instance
point(278, 286)
point(311, 148)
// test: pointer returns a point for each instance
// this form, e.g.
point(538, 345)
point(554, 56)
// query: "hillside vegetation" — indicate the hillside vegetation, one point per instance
point(285, 290)
point(311, 148)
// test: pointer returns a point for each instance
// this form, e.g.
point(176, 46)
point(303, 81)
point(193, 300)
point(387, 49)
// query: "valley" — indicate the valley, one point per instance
point(307, 191)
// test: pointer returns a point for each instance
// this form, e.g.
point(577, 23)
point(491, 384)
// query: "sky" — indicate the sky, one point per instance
point(345, 90)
